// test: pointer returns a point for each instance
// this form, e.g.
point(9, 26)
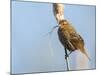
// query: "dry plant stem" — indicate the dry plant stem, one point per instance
point(67, 59)
point(58, 11)
point(67, 63)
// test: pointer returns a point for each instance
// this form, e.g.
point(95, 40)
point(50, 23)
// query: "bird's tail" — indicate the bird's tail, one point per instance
point(84, 52)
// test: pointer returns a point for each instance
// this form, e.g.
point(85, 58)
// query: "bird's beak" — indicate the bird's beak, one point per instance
point(59, 25)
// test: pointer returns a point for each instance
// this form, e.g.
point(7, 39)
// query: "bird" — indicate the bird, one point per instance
point(70, 38)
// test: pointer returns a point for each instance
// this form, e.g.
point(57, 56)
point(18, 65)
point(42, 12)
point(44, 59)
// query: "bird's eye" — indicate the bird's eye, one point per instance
point(64, 23)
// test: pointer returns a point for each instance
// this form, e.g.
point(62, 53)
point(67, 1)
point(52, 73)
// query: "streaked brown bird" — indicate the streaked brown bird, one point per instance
point(70, 39)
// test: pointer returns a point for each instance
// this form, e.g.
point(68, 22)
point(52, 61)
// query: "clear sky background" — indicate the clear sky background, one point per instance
point(33, 50)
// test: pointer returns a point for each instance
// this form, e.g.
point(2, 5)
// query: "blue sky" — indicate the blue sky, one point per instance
point(33, 50)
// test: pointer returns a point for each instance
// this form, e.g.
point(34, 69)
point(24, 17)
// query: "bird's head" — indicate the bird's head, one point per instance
point(63, 22)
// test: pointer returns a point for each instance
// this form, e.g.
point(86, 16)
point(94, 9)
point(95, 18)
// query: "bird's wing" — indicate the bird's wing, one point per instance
point(67, 36)
point(75, 37)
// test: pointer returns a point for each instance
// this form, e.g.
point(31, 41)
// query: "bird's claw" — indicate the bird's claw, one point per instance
point(66, 56)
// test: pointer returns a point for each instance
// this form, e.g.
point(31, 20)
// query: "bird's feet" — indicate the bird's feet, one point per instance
point(66, 56)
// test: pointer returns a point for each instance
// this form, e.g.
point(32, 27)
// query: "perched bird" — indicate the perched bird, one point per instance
point(70, 39)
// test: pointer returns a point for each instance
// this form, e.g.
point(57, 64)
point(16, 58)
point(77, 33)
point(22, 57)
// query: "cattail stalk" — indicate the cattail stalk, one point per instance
point(58, 10)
